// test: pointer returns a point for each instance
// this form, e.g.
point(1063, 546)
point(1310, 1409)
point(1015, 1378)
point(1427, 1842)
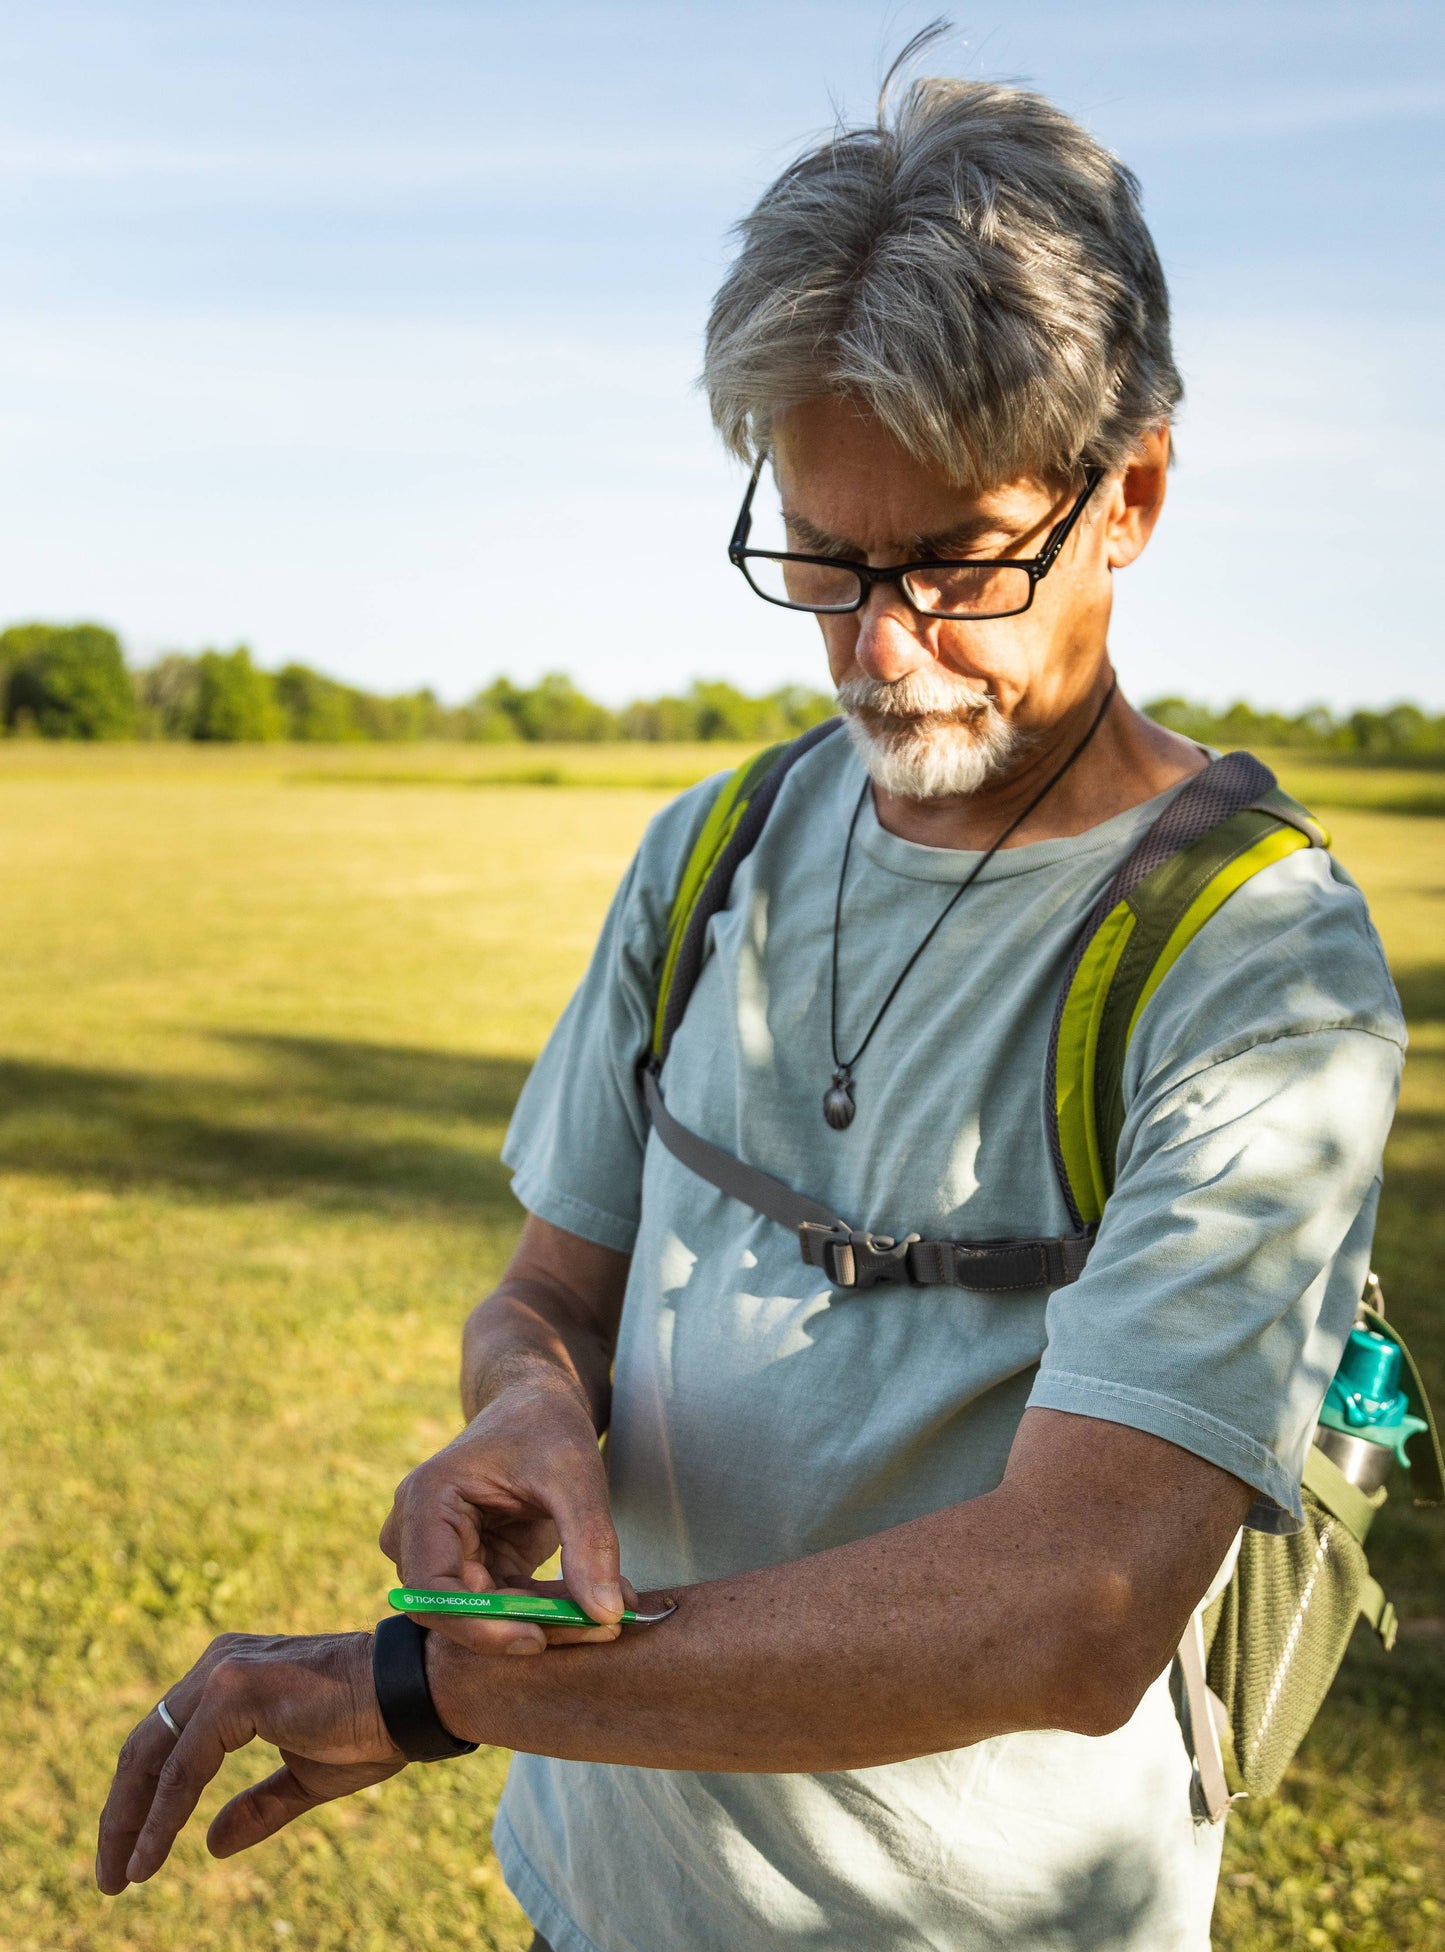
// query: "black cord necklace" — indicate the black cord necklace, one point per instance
point(838, 1106)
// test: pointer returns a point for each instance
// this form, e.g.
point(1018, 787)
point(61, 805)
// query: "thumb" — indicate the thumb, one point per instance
point(259, 1812)
point(266, 1807)
point(583, 1517)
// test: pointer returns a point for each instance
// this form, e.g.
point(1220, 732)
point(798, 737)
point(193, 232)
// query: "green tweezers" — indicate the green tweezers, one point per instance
point(541, 1607)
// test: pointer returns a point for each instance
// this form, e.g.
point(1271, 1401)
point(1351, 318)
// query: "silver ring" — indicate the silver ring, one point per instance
point(168, 1718)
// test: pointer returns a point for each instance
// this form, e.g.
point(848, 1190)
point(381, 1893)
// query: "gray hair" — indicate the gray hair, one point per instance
point(974, 268)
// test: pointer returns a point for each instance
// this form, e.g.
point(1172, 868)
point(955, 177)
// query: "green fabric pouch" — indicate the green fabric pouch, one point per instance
point(1278, 1632)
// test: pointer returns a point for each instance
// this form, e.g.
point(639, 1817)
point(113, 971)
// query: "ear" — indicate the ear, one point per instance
point(1138, 499)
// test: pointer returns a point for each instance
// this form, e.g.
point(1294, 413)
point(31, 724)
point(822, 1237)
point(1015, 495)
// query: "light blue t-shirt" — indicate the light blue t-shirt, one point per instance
point(758, 1416)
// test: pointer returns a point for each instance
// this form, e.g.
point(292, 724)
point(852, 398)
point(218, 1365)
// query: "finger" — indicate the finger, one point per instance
point(569, 1636)
point(513, 1637)
point(138, 1767)
point(259, 1812)
point(480, 1635)
point(191, 1764)
point(439, 1550)
point(439, 1543)
point(137, 1772)
point(581, 1636)
point(590, 1555)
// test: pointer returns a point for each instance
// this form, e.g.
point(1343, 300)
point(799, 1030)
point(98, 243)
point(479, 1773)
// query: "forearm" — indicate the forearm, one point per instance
point(922, 1638)
point(552, 1321)
point(1052, 1602)
point(518, 1336)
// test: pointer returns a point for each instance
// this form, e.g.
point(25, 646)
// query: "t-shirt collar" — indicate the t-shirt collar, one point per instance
point(916, 862)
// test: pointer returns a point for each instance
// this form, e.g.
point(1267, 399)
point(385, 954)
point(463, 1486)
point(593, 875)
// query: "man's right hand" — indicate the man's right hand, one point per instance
point(483, 1514)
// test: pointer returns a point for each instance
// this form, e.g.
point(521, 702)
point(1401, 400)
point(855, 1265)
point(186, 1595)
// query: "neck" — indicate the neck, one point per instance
point(1128, 760)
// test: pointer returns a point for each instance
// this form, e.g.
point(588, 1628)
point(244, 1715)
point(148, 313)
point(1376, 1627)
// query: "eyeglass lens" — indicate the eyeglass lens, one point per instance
point(988, 589)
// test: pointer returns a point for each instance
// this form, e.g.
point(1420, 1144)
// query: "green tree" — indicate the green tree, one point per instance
point(168, 695)
point(410, 715)
point(493, 716)
point(552, 709)
point(234, 700)
point(660, 719)
point(556, 709)
point(69, 681)
point(318, 709)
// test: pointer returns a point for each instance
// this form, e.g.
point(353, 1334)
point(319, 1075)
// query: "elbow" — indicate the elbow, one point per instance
point(1090, 1697)
point(1096, 1705)
point(1108, 1654)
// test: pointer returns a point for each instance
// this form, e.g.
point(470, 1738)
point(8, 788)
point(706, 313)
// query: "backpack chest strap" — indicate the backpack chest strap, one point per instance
point(852, 1257)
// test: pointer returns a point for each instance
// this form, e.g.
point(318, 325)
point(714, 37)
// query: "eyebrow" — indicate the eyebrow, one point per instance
point(922, 548)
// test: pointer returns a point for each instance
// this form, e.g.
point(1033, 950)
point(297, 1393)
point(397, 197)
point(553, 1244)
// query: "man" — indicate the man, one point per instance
point(932, 1548)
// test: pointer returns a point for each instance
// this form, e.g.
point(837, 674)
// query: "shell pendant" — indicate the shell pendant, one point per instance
point(838, 1107)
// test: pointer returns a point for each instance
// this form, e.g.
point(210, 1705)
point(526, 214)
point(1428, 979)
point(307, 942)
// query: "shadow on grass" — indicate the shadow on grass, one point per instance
point(1422, 993)
point(330, 1121)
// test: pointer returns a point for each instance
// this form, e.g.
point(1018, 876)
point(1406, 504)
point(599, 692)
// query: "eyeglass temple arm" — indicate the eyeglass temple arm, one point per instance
point(1049, 555)
point(743, 527)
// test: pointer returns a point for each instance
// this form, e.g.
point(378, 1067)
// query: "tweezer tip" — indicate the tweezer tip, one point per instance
point(651, 1619)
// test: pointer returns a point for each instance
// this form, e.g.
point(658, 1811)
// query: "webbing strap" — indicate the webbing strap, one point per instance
point(749, 1185)
point(851, 1257)
point(1327, 1483)
point(1379, 1612)
point(1202, 1735)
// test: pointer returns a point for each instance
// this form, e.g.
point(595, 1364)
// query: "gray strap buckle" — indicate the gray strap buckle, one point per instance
point(854, 1259)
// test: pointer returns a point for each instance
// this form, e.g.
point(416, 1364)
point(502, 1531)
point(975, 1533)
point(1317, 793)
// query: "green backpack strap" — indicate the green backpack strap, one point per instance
point(726, 838)
point(1225, 826)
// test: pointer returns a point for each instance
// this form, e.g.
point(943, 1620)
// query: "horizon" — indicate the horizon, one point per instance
point(685, 689)
point(322, 292)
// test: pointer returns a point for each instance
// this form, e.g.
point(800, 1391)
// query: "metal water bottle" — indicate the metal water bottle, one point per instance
point(1365, 1421)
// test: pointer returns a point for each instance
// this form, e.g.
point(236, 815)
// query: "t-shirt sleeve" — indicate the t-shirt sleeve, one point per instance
point(577, 1137)
point(1235, 1245)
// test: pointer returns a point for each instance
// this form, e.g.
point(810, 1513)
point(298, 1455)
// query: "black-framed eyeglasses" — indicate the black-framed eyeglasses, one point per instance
point(831, 586)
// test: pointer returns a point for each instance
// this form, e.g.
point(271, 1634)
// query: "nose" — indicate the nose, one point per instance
point(892, 640)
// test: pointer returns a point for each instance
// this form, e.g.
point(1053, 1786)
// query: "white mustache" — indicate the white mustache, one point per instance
point(922, 694)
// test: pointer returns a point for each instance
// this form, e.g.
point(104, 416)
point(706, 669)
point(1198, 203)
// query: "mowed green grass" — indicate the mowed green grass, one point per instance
point(260, 1032)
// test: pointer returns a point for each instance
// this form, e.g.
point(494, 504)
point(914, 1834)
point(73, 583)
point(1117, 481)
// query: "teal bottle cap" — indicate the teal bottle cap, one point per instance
point(1365, 1399)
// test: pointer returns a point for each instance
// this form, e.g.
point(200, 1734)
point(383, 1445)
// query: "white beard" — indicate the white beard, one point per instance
point(928, 736)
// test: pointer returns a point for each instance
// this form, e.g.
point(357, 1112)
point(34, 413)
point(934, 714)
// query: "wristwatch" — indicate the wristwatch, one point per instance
point(403, 1694)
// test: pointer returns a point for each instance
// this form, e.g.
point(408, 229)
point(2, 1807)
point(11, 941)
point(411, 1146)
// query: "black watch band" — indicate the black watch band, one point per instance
point(398, 1668)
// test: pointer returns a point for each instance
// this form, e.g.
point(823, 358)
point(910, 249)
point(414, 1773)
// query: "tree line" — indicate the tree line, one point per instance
point(1401, 735)
point(71, 681)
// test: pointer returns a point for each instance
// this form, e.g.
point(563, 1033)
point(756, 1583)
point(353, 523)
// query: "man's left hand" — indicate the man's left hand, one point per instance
point(311, 1695)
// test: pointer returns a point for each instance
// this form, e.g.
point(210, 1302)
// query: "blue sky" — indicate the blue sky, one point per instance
point(366, 333)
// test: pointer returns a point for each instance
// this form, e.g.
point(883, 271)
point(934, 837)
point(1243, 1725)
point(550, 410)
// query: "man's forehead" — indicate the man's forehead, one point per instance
point(845, 477)
point(835, 512)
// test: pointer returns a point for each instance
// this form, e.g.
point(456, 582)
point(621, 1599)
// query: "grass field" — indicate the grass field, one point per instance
point(262, 1017)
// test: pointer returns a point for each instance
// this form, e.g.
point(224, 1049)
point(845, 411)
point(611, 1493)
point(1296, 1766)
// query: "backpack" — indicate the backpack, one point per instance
point(1261, 1650)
